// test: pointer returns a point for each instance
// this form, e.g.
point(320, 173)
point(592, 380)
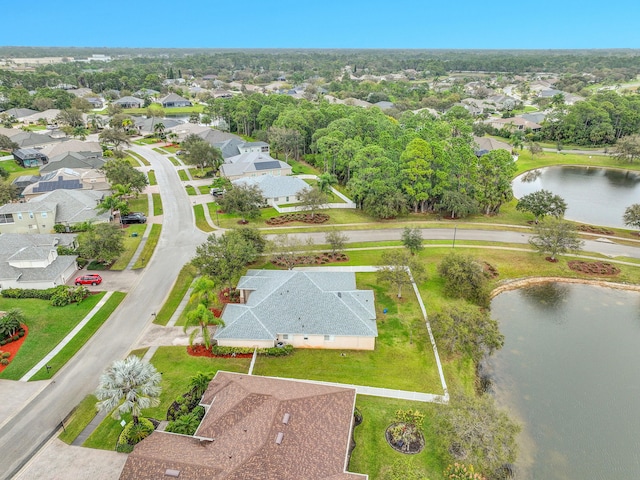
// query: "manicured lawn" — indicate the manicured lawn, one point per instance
point(139, 204)
point(200, 173)
point(178, 291)
point(140, 158)
point(156, 199)
point(152, 177)
point(191, 190)
point(177, 367)
point(525, 162)
point(301, 167)
point(81, 338)
point(403, 358)
point(131, 244)
point(175, 161)
point(47, 327)
point(160, 150)
point(374, 456)
point(79, 419)
point(201, 221)
point(183, 175)
point(172, 148)
point(149, 246)
point(16, 170)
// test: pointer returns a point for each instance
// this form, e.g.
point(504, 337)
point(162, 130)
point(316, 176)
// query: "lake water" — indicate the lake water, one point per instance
point(598, 196)
point(570, 373)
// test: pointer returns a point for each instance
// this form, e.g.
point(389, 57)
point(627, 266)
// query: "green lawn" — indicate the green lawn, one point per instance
point(149, 246)
point(139, 204)
point(204, 189)
point(190, 190)
point(131, 243)
point(140, 158)
point(183, 175)
point(177, 367)
point(47, 327)
point(172, 148)
point(151, 174)
point(160, 150)
point(157, 204)
point(373, 455)
point(81, 338)
point(178, 291)
point(80, 417)
point(546, 159)
point(301, 167)
point(16, 170)
point(403, 358)
point(201, 221)
point(175, 161)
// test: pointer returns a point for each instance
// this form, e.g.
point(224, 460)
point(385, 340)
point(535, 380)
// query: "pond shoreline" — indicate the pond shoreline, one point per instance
point(525, 282)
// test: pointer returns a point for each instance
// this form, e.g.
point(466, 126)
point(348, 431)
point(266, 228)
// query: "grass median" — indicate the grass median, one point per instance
point(178, 291)
point(149, 246)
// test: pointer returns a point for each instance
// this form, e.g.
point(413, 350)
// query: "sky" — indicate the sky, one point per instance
point(462, 24)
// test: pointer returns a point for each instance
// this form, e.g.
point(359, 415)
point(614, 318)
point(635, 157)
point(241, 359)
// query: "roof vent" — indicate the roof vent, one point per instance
point(279, 438)
point(171, 473)
point(286, 418)
point(339, 294)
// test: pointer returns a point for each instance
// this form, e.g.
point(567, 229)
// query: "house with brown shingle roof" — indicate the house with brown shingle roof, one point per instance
point(256, 428)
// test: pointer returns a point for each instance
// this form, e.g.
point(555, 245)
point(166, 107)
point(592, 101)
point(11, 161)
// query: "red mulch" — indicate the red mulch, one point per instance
point(202, 351)
point(594, 268)
point(13, 347)
point(552, 260)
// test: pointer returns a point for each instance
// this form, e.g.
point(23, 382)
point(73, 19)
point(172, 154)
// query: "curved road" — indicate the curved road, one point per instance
point(22, 435)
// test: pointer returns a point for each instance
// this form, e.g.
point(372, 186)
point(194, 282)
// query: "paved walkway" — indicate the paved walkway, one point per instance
point(45, 361)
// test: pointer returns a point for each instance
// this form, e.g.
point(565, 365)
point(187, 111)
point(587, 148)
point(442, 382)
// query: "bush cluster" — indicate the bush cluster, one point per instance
point(298, 217)
point(133, 434)
point(268, 352)
point(58, 296)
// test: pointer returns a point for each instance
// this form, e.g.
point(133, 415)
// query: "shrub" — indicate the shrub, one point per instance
point(133, 434)
point(4, 361)
point(269, 352)
point(186, 424)
point(5, 355)
point(10, 323)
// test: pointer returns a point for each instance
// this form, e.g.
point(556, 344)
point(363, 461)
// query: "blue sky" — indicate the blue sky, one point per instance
point(323, 24)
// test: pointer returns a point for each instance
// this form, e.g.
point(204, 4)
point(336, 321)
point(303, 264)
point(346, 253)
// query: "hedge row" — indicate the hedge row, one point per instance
point(58, 296)
point(269, 352)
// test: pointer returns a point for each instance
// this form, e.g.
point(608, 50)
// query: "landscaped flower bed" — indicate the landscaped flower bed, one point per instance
point(594, 268)
point(11, 346)
point(318, 259)
point(298, 217)
point(229, 295)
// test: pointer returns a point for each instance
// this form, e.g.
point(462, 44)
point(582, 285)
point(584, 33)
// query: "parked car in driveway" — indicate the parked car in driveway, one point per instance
point(135, 217)
point(89, 279)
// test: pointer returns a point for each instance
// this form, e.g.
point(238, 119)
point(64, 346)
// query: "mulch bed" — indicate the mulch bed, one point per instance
point(298, 217)
point(319, 259)
point(594, 268)
point(13, 347)
point(202, 351)
point(552, 260)
point(416, 446)
point(596, 230)
point(489, 270)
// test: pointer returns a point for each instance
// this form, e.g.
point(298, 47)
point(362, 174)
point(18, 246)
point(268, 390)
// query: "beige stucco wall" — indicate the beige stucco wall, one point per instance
point(225, 342)
point(37, 224)
point(336, 343)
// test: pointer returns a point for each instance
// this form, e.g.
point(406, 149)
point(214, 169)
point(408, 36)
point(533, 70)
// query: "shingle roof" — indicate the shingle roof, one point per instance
point(173, 98)
point(244, 415)
point(313, 303)
point(74, 160)
point(71, 206)
point(275, 187)
point(251, 162)
point(52, 151)
point(489, 144)
point(129, 99)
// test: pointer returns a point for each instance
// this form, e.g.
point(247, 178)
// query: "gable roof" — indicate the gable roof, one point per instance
point(29, 139)
point(173, 98)
point(16, 246)
point(128, 99)
point(49, 115)
point(74, 160)
point(251, 162)
point(20, 113)
point(275, 187)
point(489, 144)
point(72, 146)
point(297, 302)
point(244, 416)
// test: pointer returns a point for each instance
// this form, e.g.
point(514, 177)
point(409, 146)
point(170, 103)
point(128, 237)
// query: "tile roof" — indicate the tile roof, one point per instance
point(296, 302)
point(244, 416)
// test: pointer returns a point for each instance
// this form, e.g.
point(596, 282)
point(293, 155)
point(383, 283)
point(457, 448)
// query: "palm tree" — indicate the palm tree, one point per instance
point(128, 385)
point(158, 129)
point(203, 291)
point(201, 317)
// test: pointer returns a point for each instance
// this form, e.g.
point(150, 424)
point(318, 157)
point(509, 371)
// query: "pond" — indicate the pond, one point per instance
point(597, 196)
point(570, 373)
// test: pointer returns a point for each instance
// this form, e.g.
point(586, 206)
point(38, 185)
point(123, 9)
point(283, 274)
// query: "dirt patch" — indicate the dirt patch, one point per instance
point(13, 347)
point(593, 268)
point(595, 230)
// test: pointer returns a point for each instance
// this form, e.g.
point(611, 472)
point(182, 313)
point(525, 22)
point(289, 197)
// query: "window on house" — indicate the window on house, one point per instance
point(6, 218)
point(30, 214)
point(285, 336)
point(329, 338)
point(287, 199)
point(19, 216)
point(306, 337)
point(33, 227)
point(44, 214)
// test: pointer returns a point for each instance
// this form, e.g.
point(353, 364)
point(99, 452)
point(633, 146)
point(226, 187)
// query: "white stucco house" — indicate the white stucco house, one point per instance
point(276, 190)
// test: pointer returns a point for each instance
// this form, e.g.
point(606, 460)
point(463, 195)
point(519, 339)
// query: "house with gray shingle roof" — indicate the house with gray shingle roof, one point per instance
point(174, 100)
point(276, 190)
point(74, 160)
point(253, 164)
point(40, 214)
point(256, 428)
point(29, 139)
point(129, 102)
point(32, 261)
point(318, 309)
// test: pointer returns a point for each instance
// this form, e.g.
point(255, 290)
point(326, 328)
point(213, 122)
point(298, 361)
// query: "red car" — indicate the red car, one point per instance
point(91, 279)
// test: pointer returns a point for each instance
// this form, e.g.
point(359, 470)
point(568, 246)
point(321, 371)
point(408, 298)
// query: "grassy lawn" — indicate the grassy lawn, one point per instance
point(81, 338)
point(204, 189)
point(177, 367)
point(403, 358)
point(179, 290)
point(47, 327)
point(168, 111)
point(16, 170)
point(201, 221)
point(172, 148)
point(160, 150)
point(157, 204)
point(139, 204)
point(200, 173)
point(149, 246)
point(190, 190)
point(140, 158)
point(151, 175)
point(183, 175)
point(130, 245)
point(373, 454)
point(175, 161)
point(301, 167)
point(525, 162)
point(80, 417)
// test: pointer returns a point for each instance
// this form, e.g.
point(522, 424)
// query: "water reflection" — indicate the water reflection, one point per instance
point(549, 296)
point(596, 196)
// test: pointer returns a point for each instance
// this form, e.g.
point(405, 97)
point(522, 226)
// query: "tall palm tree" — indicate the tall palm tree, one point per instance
point(201, 317)
point(128, 385)
point(158, 129)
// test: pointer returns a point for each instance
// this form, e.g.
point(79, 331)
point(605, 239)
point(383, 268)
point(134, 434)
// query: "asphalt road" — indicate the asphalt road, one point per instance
point(22, 435)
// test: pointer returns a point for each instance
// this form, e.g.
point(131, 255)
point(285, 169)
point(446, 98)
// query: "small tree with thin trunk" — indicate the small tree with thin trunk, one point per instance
point(312, 199)
point(394, 269)
point(128, 385)
point(336, 240)
point(555, 236)
point(631, 215)
point(412, 239)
